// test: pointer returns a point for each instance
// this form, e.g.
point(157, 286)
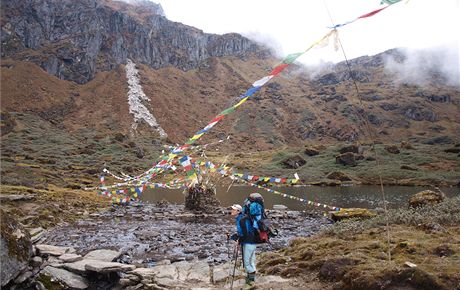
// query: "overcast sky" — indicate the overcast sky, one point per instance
point(292, 25)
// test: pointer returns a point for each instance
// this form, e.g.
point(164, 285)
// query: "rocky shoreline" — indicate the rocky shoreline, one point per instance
point(141, 244)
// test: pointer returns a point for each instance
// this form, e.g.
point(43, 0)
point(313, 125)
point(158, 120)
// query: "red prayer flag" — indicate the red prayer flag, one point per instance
point(279, 69)
point(217, 119)
point(372, 13)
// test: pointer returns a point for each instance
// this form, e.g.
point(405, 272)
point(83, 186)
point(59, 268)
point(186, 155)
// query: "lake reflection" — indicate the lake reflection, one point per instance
point(364, 196)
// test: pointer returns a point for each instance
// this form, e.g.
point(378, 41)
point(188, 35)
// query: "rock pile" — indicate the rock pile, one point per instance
point(200, 198)
point(61, 267)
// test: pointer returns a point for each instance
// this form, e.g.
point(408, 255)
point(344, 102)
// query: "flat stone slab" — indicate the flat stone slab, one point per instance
point(103, 255)
point(222, 272)
point(36, 231)
point(73, 281)
point(53, 250)
point(198, 271)
point(69, 258)
point(144, 273)
point(107, 267)
point(176, 274)
point(76, 267)
point(82, 266)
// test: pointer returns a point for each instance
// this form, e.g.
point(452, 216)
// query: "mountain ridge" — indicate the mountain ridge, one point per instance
point(75, 39)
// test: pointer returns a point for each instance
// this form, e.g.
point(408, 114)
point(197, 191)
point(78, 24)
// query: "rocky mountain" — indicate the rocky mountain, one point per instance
point(101, 80)
point(74, 40)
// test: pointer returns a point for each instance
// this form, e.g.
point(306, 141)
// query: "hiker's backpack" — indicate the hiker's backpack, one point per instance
point(255, 210)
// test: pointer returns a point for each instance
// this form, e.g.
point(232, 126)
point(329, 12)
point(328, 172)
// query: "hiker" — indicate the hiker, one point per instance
point(247, 235)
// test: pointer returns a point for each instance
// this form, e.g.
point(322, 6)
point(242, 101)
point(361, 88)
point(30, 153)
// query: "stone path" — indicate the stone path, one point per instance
point(146, 233)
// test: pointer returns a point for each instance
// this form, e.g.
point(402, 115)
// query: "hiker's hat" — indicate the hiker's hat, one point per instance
point(237, 207)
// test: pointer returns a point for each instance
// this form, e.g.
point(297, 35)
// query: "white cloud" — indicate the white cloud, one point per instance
point(419, 66)
point(292, 25)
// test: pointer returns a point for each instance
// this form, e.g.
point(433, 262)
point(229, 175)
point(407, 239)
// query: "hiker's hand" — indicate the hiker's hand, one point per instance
point(234, 237)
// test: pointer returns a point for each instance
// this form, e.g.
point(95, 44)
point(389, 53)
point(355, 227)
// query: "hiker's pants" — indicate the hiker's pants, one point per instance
point(249, 257)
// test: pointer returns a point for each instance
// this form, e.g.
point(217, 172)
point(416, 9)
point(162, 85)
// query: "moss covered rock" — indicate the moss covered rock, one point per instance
point(15, 246)
point(426, 197)
point(347, 213)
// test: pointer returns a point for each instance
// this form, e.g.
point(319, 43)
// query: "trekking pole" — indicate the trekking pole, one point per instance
point(234, 267)
point(229, 272)
point(228, 249)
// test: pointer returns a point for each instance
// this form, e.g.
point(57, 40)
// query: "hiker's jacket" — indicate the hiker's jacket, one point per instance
point(246, 224)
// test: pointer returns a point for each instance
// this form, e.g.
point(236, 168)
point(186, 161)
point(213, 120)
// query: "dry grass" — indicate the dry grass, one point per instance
point(431, 241)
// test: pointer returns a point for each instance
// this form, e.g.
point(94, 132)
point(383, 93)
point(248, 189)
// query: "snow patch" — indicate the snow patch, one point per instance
point(135, 97)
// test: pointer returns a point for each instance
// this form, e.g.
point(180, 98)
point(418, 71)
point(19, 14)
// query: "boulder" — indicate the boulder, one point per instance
point(347, 213)
point(426, 197)
point(347, 158)
point(452, 150)
point(352, 148)
point(294, 162)
point(443, 251)
point(337, 175)
point(406, 145)
point(392, 149)
point(15, 248)
point(439, 140)
point(311, 151)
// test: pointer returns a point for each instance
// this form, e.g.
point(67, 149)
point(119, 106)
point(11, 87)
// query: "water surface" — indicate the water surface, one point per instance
point(364, 196)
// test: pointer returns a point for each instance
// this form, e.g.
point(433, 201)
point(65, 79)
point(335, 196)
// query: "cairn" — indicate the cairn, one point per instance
point(201, 198)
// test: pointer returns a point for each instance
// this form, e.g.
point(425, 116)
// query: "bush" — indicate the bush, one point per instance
point(444, 213)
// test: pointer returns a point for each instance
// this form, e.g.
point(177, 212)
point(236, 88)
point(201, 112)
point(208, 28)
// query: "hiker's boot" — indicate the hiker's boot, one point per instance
point(250, 282)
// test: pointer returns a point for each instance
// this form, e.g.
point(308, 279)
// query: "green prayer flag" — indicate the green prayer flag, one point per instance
point(227, 111)
point(292, 57)
point(390, 1)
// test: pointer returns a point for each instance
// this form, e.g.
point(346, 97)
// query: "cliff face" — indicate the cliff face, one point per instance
point(75, 39)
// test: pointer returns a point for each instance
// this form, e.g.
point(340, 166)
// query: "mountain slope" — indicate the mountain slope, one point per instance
point(72, 77)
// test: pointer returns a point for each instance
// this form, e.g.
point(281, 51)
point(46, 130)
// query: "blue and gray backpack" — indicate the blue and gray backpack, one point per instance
point(254, 209)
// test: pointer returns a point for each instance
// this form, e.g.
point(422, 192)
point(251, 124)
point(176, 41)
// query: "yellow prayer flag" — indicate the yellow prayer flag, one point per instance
point(241, 102)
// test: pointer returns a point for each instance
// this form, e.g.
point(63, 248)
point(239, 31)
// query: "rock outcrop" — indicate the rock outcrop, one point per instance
point(16, 248)
point(74, 39)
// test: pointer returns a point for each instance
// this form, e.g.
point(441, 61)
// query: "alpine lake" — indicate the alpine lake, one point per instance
point(357, 196)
